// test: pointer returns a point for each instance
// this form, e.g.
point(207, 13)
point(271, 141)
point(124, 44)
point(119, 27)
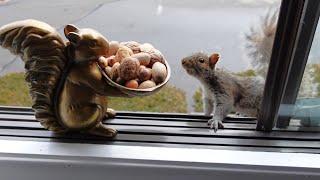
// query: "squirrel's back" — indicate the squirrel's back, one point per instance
point(234, 83)
point(43, 51)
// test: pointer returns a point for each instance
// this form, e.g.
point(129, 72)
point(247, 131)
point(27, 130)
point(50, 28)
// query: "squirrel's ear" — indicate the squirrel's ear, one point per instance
point(70, 28)
point(73, 37)
point(213, 59)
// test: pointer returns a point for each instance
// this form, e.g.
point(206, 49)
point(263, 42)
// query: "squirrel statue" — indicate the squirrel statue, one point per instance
point(65, 97)
point(223, 91)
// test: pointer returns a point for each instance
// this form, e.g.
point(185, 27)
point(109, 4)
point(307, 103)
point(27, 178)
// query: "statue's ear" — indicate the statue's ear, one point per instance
point(213, 59)
point(74, 38)
point(70, 28)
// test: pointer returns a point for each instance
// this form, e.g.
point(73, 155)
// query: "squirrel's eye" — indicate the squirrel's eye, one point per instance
point(201, 60)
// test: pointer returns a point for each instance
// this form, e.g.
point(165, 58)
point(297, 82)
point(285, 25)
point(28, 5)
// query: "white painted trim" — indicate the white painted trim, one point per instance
point(53, 160)
point(161, 153)
point(34, 157)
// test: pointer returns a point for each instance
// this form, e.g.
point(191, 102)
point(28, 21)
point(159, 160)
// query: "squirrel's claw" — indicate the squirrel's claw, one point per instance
point(215, 124)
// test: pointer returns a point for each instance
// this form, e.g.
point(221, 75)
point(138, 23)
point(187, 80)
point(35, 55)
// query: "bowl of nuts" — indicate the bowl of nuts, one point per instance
point(135, 69)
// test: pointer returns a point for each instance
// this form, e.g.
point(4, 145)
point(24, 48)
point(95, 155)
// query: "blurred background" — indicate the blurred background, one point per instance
point(241, 30)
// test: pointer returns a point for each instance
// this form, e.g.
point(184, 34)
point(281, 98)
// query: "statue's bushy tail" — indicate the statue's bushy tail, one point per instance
point(43, 50)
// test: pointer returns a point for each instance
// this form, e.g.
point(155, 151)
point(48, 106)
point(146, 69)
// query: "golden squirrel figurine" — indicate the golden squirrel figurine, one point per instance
point(81, 102)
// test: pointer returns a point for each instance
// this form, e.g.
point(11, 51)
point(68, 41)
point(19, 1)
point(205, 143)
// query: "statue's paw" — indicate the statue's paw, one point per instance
point(110, 113)
point(53, 126)
point(102, 130)
point(215, 124)
point(110, 132)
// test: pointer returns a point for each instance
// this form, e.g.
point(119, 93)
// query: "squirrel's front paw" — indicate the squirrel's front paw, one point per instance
point(215, 124)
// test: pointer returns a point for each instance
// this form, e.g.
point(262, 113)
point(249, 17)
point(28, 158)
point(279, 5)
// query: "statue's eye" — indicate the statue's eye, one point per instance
point(92, 44)
point(201, 60)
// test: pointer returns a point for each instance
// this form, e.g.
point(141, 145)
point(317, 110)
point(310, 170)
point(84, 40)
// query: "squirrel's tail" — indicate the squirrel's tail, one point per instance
point(259, 42)
point(43, 50)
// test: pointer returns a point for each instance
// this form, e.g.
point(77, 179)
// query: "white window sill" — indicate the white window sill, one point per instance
point(53, 160)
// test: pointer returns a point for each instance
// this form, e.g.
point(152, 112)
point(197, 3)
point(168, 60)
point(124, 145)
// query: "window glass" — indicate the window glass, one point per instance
point(306, 110)
point(242, 31)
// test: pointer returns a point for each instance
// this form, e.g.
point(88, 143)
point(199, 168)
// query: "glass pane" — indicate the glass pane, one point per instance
point(306, 111)
point(242, 31)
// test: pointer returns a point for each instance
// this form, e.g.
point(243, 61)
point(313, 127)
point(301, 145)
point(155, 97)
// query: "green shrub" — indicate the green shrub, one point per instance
point(14, 92)
point(247, 73)
point(316, 68)
point(168, 99)
point(197, 101)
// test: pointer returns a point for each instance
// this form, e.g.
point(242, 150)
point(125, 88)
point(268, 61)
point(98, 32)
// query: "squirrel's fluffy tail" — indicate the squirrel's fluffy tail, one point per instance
point(260, 41)
point(43, 51)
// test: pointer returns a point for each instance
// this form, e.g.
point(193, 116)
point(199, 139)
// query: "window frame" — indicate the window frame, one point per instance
point(310, 19)
point(296, 26)
point(114, 161)
point(297, 23)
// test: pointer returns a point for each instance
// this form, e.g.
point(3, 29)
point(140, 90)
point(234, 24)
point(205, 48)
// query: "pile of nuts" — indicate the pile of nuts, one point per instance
point(134, 65)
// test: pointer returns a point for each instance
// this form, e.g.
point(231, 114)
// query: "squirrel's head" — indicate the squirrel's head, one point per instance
point(200, 64)
point(88, 43)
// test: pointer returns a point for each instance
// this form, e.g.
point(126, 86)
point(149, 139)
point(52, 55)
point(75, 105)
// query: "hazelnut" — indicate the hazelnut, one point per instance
point(128, 68)
point(159, 72)
point(115, 71)
point(111, 60)
point(146, 47)
point(103, 62)
point(156, 56)
point(123, 52)
point(132, 84)
point(113, 48)
point(147, 84)
point(108, 71)
point(144, 73)
point(133, 45)
point(144, 58)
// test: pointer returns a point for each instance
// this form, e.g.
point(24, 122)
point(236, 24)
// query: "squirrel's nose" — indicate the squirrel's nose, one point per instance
point(183, 61)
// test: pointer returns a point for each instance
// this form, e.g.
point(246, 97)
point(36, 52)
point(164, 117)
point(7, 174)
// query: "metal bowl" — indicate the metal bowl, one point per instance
point(137, 92)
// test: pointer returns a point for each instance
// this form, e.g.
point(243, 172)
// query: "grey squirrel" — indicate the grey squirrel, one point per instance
point(223, 91)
